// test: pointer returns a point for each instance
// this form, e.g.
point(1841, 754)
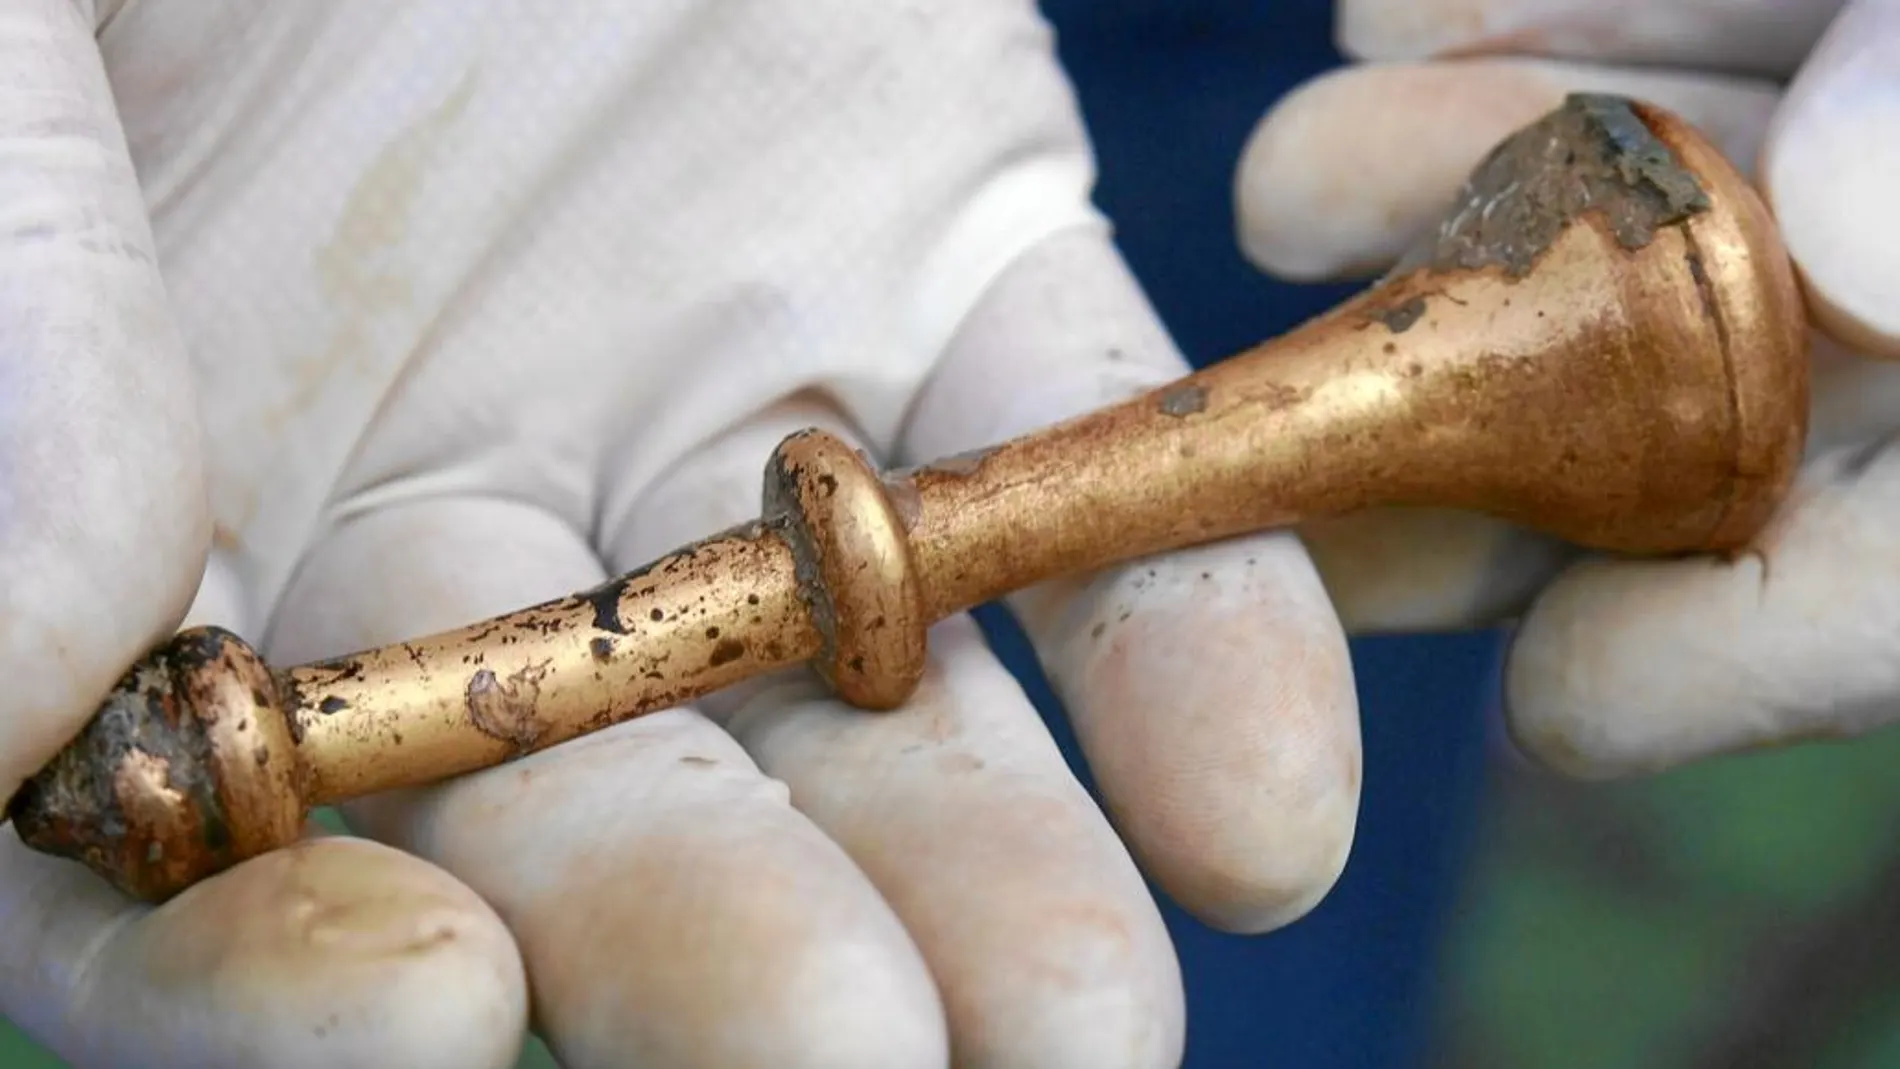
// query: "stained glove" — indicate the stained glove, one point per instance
point(1616, 667)
point(335, 324)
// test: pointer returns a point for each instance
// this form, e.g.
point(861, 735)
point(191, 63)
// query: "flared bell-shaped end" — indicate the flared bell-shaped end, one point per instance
point(1604, 341)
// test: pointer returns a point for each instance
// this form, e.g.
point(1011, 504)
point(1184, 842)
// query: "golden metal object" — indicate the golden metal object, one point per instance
point(1603, 341)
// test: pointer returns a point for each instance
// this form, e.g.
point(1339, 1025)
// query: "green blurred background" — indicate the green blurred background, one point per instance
point(1732, 915)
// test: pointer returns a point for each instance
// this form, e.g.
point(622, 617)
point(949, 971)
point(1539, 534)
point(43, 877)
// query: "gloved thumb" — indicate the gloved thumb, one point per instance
point(103, 520)
point(1830, 165)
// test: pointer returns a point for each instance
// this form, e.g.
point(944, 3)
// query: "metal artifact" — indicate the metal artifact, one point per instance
point(1603, 341)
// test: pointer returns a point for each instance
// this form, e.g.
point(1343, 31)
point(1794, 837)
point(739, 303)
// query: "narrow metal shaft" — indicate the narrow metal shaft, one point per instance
point(700, 619)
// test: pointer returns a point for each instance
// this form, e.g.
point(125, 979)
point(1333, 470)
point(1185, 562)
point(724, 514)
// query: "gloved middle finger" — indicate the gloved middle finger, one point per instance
point(671, 908)
point(1211, 689)
point(1047, 948)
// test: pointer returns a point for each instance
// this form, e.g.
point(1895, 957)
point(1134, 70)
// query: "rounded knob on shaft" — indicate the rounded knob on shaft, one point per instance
point(849, 537)
point(188, 768)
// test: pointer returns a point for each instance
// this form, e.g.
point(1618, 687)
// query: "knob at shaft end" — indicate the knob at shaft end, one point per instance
point(188, 768)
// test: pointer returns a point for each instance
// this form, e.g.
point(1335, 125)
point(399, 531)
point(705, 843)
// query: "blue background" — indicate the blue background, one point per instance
point(1171, 89)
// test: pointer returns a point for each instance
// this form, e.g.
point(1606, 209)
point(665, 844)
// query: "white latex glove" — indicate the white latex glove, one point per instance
point(484, 301)
point(1617, 667)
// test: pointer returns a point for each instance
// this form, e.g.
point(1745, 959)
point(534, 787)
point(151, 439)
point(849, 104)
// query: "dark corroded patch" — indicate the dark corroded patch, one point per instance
point(297, 708)
point(336, 670)
point(507, 710)
point(1399, 319)
point(1184, 400)
point(727, 651)
point(602, 648)
point(605, 600)
point(332, 705)
point(1592, 154)
point(786, 515)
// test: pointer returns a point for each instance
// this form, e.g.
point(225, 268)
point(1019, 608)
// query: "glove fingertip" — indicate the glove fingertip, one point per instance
point(1828, 168)
point(1387, 30)
point(1293, 216)
point(1349, 169)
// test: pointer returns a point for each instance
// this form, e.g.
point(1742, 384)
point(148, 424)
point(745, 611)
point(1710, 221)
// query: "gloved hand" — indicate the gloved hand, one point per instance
point(445, 309)
point(1619, 668)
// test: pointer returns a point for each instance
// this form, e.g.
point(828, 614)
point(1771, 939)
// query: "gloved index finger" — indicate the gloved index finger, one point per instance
point(1755, 37)
point(103, 526)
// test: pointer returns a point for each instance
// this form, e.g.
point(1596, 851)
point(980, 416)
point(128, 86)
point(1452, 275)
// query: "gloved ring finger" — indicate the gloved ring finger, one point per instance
point(1234, 778)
